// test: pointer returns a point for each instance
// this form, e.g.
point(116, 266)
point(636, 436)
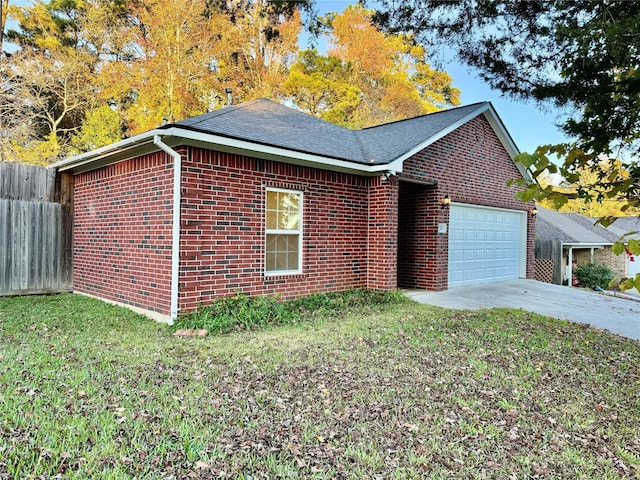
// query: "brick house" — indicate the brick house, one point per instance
point(260, 198)
point(581, 241)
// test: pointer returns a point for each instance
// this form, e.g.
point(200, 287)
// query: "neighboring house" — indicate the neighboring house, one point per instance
point(628, 228)
point(260, 198)
point(572, 239)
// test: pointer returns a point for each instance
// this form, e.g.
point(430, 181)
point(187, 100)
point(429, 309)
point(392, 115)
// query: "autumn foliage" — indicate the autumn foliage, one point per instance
point(85, 73)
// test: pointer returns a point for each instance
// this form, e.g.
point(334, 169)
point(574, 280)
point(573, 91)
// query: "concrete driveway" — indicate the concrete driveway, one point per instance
point(601, 311)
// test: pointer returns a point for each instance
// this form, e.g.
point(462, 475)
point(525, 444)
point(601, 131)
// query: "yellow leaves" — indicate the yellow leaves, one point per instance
point(390, 71)
point(173, 75)
point(435, 85)
point(37, 152)
point(630, 283)
point(417, 50)
point(102, 126)
point(265, 47)
point(592, 184)
point(155, 59)
point(289, 30)
point(354, 39)
point(38, 17)
point(49, 43)
point(402, 99)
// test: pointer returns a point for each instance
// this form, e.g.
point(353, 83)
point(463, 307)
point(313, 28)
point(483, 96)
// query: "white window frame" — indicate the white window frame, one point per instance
point(298, 232)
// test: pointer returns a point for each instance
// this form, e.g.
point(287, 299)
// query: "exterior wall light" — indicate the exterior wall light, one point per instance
point(387, 175)
point(445, 202)
point(533, 212)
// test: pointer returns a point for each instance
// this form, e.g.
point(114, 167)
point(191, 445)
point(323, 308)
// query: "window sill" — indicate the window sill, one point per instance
point(283, 276)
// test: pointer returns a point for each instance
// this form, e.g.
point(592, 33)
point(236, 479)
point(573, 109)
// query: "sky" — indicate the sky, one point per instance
point(528, 125)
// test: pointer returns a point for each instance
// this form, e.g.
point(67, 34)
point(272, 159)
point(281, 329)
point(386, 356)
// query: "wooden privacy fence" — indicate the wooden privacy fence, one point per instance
point(550, 250)
point(35, 230)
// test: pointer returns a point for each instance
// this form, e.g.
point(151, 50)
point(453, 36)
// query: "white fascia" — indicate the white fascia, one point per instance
point(494, 120)
point(118, 149)
point(587, 245)
point(443, 133)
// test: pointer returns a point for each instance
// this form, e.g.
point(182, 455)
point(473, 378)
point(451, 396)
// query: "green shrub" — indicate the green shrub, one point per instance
point(592, 275)
point(238, 313)
point(339, 303)
point(242, 312)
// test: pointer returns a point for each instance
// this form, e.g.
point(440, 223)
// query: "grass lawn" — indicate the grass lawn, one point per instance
point(90, 390)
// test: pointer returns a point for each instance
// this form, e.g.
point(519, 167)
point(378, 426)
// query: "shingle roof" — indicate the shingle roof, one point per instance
point(266, 129)
point(269, 123)
point(624, 225)
point(571, 228)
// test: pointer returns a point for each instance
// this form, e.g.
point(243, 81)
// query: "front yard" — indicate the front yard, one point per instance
point(89, 390)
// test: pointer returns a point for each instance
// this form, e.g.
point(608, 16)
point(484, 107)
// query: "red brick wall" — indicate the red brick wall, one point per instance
point(223, 228)
point(421, 254)
point(358, 231)
point(471, 166)
point(122, 248)
point(383, 234)
point(122, 232)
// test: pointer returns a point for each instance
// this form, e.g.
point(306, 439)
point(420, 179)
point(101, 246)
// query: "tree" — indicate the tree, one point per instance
point(102, 126)
point(49, 98)
point(53, 75)
point(144, 60)
point(263, 42)
point(389, 76)
point(4, 7)
point(391, 71)
point(170, 71)
point(587, 202)
point(576, 54)
point(319, 85)
point(579, 56)
point(185, 53)
point(17, 118)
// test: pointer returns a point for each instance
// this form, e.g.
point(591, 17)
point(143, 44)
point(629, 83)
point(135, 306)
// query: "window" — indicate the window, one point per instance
point(283, 252)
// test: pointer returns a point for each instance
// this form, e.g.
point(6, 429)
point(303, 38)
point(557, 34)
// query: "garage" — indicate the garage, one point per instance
point(485, 245)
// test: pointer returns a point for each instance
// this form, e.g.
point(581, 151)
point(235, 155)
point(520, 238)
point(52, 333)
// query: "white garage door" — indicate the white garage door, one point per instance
point(485, 245)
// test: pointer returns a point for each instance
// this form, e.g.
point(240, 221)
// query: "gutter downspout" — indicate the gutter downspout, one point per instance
point(175, 236)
